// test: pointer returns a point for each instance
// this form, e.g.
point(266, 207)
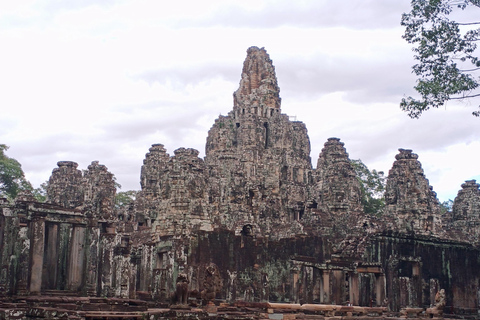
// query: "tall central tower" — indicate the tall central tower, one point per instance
point(258, 93)
point(259, 160)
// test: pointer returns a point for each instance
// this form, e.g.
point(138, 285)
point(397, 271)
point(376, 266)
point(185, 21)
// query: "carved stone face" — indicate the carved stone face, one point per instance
point(182, 277)
point(211, 270)
point(390, 197)
point(247, 230)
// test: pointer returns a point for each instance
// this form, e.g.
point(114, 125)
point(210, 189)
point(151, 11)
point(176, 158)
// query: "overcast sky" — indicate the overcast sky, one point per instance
point(104, 80)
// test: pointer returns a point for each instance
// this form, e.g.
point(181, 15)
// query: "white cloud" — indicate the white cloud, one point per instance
point(103, 81)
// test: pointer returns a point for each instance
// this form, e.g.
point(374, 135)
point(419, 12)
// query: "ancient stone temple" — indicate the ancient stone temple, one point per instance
point(251, 231)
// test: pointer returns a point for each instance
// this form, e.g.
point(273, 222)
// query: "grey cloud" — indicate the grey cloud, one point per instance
point(434, 131)
point(364, 81)
point(159, 119)
point(39, 157)
point(53, 6)
point(180, 77)
point(369, 14)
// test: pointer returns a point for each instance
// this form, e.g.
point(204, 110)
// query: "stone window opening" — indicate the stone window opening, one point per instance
point(251, 195)
point(313, 205)
point(124, 242)
point(247, 230)
point(298, 214)
point(161, 262)
point(266, 134)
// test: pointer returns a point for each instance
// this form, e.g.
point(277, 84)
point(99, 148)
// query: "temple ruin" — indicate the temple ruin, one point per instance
point(251, 231)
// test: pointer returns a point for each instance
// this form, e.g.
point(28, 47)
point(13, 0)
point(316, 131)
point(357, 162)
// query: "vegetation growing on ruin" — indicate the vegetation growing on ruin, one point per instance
point(372, 184)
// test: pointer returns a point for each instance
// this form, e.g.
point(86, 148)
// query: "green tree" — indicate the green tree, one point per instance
point(447, 67)
point(40, 193)
point(372, 187)
point(124, 198)
point(12, 177)
point(446, 206)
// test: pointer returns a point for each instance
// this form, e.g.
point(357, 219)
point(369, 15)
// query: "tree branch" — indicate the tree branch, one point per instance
point(469, 70)
point(465, 97)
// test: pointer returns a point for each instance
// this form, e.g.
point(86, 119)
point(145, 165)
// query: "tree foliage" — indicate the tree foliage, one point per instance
point(124, 198)
point(12, 177)
point(447, 68)
point(446, 206)
point(372, 187)
point(40, 193)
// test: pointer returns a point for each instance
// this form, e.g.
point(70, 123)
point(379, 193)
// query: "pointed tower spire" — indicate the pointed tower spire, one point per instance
point(258, 92)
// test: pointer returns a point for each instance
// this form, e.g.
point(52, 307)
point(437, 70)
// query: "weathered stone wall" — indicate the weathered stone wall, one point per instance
point(417, 265)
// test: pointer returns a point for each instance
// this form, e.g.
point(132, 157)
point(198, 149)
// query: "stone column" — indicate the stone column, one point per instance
point(92, 263)
point(354, 291)
point(107, 243)
point(77, 258)
point(338, 291)
point(325, 287)
point(380, 288)
point(37, 250)
point(295, 288)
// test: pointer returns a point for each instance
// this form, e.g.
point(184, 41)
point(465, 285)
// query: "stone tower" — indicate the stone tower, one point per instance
point(65, 186)
point(173, 196)
point(258, 92)
point(466, 211)
point(99, 191)
point(337, 188)
point(258, 160)
point(409, 198)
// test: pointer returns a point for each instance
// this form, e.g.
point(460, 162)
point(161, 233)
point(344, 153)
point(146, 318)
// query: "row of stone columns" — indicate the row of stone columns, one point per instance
point(333, 287)
point(44, 246)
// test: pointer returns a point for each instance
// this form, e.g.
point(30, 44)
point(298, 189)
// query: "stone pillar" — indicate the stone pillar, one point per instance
point(295, 288)
point(92, 264)
point(380, 288)
point(37, 250)
point(77, 258)
point(338, 286)
point(325, 288)
point(20, 269)
point(107, 241)
point(354, 291)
